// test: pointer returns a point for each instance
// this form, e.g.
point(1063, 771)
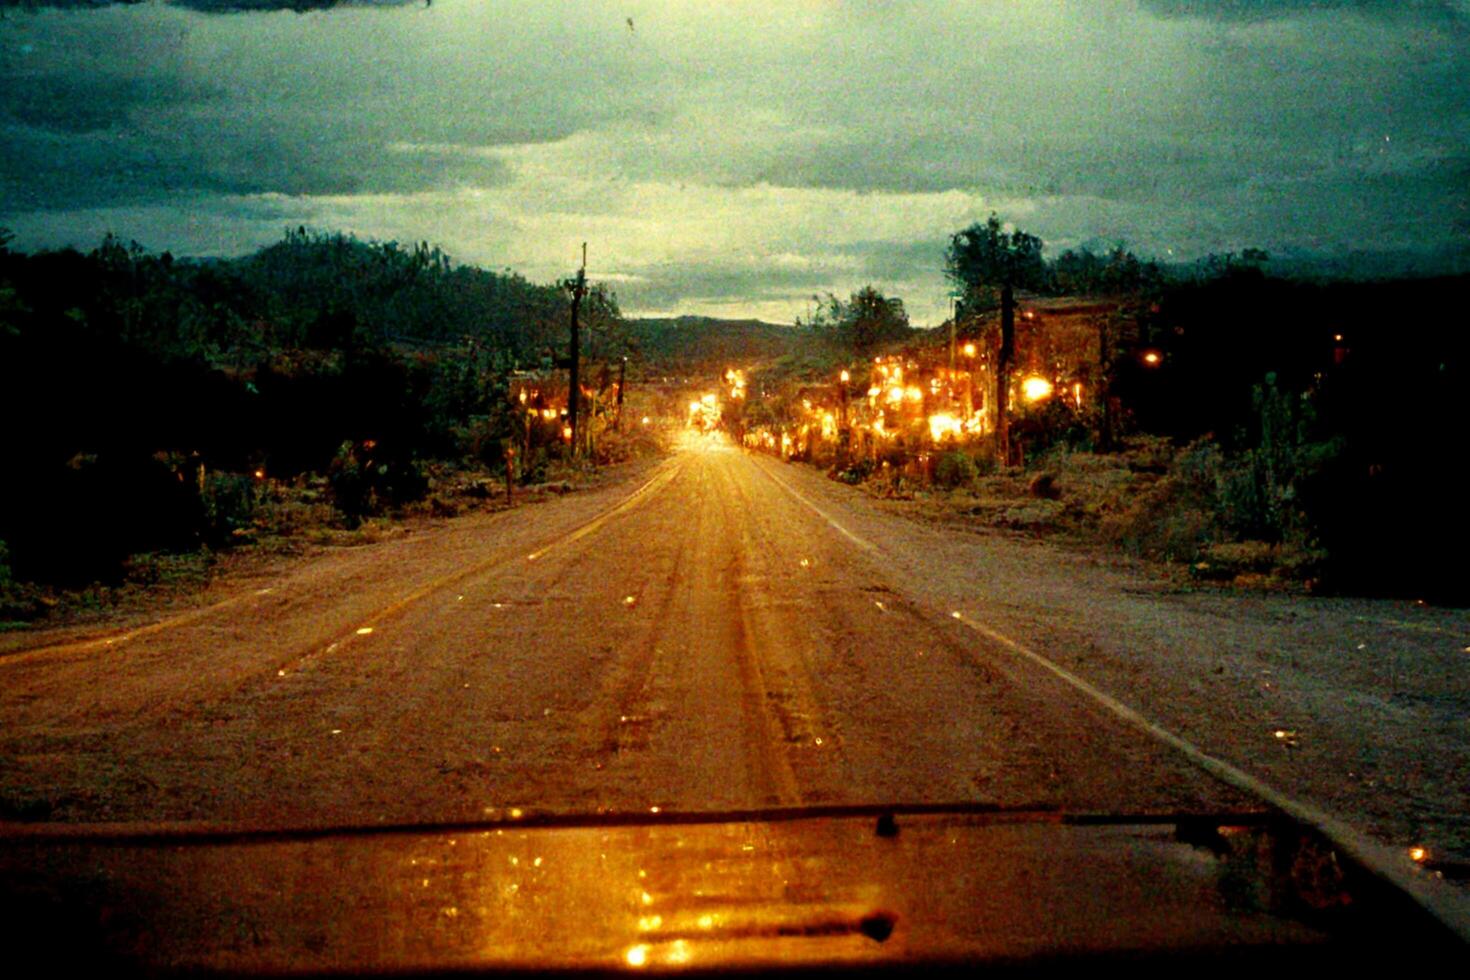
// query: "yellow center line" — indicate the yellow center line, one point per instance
point(368, 626)
point(118, 639)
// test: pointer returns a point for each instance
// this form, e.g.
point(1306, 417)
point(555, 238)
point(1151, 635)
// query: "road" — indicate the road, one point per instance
point(728, 632)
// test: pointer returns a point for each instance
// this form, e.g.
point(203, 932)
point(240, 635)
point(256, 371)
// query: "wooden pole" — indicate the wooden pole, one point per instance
point(574, 390)
point(953, 316)
point(622, 377)
point(1003, 375)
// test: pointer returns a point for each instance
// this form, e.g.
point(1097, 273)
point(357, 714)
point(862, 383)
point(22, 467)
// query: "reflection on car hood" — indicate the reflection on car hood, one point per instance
point(844, 887)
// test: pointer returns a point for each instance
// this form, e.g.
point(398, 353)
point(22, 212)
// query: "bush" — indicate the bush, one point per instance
point(856, 472)
point(229, 505)
point(534, 466)
point(363, 481)
point(18, 600)
point(955, 470)
point(1175, 517)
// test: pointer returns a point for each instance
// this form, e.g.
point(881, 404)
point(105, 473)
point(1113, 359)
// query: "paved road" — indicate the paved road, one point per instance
point(706, 640)
point(728, 632)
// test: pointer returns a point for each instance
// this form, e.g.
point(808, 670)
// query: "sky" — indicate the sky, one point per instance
point(736, 158)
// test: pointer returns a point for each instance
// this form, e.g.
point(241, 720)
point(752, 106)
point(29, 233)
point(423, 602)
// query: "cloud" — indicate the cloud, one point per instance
point(1249, 10)
point(211, 6)
point(758, 150)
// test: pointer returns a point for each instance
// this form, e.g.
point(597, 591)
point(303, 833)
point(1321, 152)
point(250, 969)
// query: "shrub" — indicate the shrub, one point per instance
point(364, 481)
point(955, 470)
point(228, 501)
point(534, 466)
point(1175, 517)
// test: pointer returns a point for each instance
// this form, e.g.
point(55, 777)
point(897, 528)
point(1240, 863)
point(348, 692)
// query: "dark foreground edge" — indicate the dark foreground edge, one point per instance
point(855, 890)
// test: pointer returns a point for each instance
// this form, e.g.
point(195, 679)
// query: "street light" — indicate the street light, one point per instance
point(1035, 388)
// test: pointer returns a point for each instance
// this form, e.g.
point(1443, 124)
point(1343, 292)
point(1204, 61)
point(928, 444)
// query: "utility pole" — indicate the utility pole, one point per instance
point(622, 376)
point(574, 391)
point(953, 315)
point(1003, 373)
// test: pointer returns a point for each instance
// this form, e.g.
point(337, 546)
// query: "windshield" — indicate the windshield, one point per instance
point(455, 414)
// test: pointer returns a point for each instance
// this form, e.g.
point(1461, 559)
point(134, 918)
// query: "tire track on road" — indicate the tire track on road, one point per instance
point(1448, 906)
point(395, 609)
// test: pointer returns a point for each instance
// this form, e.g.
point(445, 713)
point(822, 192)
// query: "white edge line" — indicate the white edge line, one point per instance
point(860, 542)
point(1448, 907)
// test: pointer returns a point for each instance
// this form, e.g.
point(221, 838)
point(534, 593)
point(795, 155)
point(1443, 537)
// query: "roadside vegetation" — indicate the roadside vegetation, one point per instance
point(162, 411)
point(1246, 427)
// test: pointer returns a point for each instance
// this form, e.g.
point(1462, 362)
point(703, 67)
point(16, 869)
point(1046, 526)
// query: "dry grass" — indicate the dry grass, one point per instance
point(1138, 501)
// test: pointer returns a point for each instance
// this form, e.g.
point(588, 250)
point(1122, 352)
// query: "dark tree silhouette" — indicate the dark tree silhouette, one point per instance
point(985, 262)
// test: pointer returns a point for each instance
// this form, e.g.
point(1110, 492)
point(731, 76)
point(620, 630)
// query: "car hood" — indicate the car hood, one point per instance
point(811, 889)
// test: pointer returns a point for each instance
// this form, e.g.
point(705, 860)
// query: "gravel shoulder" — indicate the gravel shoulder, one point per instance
point(1358, 706)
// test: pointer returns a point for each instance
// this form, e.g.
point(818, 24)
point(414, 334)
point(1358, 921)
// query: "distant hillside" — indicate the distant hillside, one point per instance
point(691, 341)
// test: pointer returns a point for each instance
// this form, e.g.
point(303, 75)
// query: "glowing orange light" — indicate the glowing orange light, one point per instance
point(260, 474)
point(844, 376)
point(1152, 358)
point(566, 432)
point(944, 424)
point(636, 955)
point(969, 350)
point(1418, 855)
point(1035, 388)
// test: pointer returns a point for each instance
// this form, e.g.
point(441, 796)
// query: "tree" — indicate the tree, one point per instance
point(874, 319)
point(985, 262)
point(867, 321)
point(1083, 272)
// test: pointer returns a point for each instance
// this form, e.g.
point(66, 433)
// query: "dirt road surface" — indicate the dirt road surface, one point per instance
point(725, 631)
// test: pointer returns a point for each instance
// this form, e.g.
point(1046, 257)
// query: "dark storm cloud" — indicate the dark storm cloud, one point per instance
point(208, 6)
point(114, 110)
point(50, 168)
point(1248, 10)
point(880, 261)
point(300, 6)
